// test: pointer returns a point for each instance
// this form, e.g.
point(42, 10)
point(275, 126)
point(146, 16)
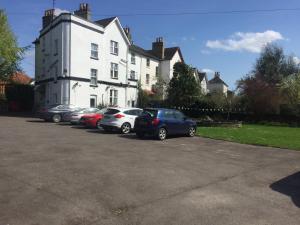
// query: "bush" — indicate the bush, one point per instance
point(20, 97)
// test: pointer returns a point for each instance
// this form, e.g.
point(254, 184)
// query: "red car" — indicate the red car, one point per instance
point(92, 120)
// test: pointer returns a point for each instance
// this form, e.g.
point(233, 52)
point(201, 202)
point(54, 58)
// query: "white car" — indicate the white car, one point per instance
point(122, 119)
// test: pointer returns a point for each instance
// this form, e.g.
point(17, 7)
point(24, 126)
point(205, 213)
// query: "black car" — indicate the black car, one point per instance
point(55, 113)
point(164, 122)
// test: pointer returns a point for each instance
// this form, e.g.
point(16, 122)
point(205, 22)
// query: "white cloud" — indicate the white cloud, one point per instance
point(251, 42)
point(208, 71)
point(205, 52)
point(192, 38)
point(296, 60)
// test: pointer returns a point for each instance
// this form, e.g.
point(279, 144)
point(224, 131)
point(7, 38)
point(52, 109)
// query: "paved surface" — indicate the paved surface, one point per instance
point(55, 174)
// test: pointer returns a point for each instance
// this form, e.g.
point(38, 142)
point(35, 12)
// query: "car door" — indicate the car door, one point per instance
point(170, 121)
point(180, 124)
point(130, 116)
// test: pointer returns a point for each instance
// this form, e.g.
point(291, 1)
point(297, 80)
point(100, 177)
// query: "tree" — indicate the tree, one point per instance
point(260, 89)
point(183, 90)
point(290, 90)
point(10, 53)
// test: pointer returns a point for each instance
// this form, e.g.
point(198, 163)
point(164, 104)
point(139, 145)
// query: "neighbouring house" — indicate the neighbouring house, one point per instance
point(216, 84)
point(16, 78)
point(87, 63)
point(203, 81)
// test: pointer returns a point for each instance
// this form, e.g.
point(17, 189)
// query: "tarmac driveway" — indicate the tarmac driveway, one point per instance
point(56, 174)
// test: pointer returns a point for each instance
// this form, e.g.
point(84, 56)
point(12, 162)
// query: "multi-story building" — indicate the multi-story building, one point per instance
point(87, 63)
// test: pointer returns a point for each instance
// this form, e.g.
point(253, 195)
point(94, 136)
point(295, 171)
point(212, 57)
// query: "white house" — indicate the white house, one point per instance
point(216, 84)
point(202, 80)
point(87, 63)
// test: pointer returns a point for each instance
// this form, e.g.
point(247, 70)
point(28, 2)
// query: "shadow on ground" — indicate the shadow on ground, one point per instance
point(289, 186)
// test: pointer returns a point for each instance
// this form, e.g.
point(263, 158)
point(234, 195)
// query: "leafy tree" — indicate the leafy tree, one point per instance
point(10, 53)
point(159, 89)
point(260, 90)
point(183, 90)
point(290, 90)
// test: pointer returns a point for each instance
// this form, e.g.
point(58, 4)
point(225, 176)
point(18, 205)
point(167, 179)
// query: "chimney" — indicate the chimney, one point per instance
point(128, 34)
point(158, 48)
point(48, 17)
point(84, 11)
point(217, 74)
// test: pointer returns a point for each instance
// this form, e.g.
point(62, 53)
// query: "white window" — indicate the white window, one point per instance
point(147, 79)
point(55, 46)
point(132, 75)
point(93, 101)
point(113, 98)
point(114, 67)
point(132, 58)
point(114, 47)
point(94, 77)
point(148, 62)
point(94, 51)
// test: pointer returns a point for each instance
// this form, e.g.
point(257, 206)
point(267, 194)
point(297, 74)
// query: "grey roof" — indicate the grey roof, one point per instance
point(201, 76)
point(217, 80)
point(105, 22)
point(142, 51)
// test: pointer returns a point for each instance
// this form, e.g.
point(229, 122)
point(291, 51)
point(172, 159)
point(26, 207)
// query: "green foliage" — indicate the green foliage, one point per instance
point(259, 91)
point(10, 53)
point(183, 89)
point(290, 91)
point(22, 94)
point(275, 136)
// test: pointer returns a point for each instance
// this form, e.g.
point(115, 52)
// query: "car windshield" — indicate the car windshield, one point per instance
point(111, 111)
point(149, 112)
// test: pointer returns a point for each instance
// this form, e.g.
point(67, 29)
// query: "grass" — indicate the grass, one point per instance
point(273, 136)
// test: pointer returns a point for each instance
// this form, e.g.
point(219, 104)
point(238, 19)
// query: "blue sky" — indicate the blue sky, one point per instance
point(228, 43)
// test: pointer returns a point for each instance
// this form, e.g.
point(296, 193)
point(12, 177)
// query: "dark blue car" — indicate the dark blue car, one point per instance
point(161, 123)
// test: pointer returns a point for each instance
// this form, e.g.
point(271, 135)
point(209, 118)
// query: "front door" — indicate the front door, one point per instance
point(93, 101)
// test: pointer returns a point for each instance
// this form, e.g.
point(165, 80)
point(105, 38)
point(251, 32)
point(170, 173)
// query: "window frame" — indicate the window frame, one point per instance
point(148, 62)
point(113, 97)
point(147, 79)
point(114, 47)
point(93, 97)
point(114, 70)
point(132, 72)
point(94, 51)
point(133, 58)
point(93, 77)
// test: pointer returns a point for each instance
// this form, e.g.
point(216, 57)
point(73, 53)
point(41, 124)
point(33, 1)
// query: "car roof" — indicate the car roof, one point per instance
point(158, 109)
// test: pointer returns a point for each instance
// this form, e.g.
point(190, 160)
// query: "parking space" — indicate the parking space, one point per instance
point(59, 174)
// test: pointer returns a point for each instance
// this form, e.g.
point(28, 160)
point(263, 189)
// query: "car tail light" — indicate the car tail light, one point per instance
point(155, 122)
point(119, 116)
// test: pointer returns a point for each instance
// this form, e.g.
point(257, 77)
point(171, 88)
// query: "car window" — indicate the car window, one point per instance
point(168, 114)
point(149, 112)
point(178, 115)
point(102, 111)
point(111, 111)
point(138, 112)
point(130, 112)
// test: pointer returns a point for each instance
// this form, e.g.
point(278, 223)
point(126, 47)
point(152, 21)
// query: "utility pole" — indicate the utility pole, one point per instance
point(53, 4)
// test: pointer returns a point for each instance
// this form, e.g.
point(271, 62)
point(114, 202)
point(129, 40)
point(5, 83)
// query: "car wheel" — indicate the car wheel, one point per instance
point(56, 118)
point(192, 132)
point(162, 134)
point(98, 124)
point(126, 128)
point(140, 134)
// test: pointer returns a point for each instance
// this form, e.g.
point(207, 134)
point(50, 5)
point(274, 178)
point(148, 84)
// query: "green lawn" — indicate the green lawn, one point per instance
point(275, 136)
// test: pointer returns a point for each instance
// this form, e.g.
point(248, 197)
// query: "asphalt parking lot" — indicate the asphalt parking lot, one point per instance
point(58, 174)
